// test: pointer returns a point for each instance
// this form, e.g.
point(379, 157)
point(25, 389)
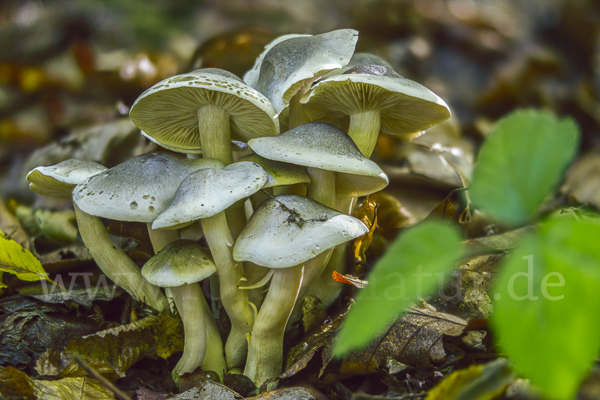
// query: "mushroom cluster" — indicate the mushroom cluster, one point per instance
point(272, 207)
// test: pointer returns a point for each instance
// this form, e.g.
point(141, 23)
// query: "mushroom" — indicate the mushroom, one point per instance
point(204, 195)
point(282, 234)
point(200, 112)
point(375, 98)
point(136, 190)
point(59, 181)
point(291, 63)
point(336, 168)
point(180, 266)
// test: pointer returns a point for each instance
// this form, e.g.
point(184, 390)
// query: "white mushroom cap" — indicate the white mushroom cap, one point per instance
point(288, 230)
point(210, 191)
point(324, 146)
point(138, 189)
point(167, 112)
point(406, 106)
point(294, 61)
point(179, 263)
point(59, 180)
point(279, 173)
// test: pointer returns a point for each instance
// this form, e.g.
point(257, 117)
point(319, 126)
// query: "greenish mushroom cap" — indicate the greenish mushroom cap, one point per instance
point(58, 181)
point(209, 191)
point(138, 189)
point(167, 112)
point(179, 263)
point(293, 62)
point(324, 146)
point(406, 106)
point(288, 230)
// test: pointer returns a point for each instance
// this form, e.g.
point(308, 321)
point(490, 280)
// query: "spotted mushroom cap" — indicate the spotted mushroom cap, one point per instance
point(406, 106)
point(279, 173)
point(324, 146)
point(208, 192)
point(292, 62)
point(58, 181)
point(138, 189)
point(178, 263)
point(167, 112)
point(288, 230)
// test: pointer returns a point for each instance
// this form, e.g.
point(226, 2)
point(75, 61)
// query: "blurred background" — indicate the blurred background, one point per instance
point(70, 70)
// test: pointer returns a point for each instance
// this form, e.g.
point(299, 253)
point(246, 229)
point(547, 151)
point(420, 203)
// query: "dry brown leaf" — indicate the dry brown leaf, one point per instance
point(82, 388)
point(582, 184)
point(367, 213)
point(415, 340)
point(15, 384)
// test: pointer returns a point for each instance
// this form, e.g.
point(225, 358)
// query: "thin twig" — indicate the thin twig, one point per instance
point(96, 375)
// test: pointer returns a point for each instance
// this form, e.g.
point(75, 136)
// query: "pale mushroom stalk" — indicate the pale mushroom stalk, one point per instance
point(215, 133)
point(296, 116)
point(364, 130)
point(265, 354)
point(322, 190)
point(235, 301)
point(114, 263)
point(213, 359)
point(215, 140)
point(188, 300)
point(159, 239)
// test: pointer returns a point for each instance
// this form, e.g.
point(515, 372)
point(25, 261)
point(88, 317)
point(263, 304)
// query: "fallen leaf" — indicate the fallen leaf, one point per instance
point(367, 213)
point(502, 241)
point(349, 280)
point(415, 340)
point(12, 227)
point(72, 389)
point(18, 261)
point(477, 382)
point(581, 183)
point(291, 393)
point(15, 384)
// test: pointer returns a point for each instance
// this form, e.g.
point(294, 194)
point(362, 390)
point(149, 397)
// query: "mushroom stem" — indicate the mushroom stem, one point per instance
point(114, 263)
point(234, 301)
point(322, 186)
point(364, 129)
point(161, 237)
point(215, 133)
point(297, 117)
point(321, 189)
point(214, 359)
point(265, 356)
point(188, 300)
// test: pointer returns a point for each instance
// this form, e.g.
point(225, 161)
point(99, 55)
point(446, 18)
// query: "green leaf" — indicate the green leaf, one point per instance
point(547, 302)
point(16, 260)
point(413, 266)
point(521, 162)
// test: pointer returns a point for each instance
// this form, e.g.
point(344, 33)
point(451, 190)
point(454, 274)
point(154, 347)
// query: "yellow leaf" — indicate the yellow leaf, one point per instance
point(18, 261)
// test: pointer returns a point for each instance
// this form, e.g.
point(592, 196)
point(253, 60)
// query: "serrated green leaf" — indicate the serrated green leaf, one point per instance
point(18, 261)
point(521, 162)
point(546, 301)
point(413, 266)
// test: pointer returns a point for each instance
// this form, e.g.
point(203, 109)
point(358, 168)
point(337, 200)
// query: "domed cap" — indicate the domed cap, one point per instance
point(294, 61)
point(279, 173)
point(406, 106)
point(324, 146)
point(359, 59)
point(58, 181)
point(288, 230)
point(179, 263)
point(210, 191)
point(167, 112)
point(138, 189)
